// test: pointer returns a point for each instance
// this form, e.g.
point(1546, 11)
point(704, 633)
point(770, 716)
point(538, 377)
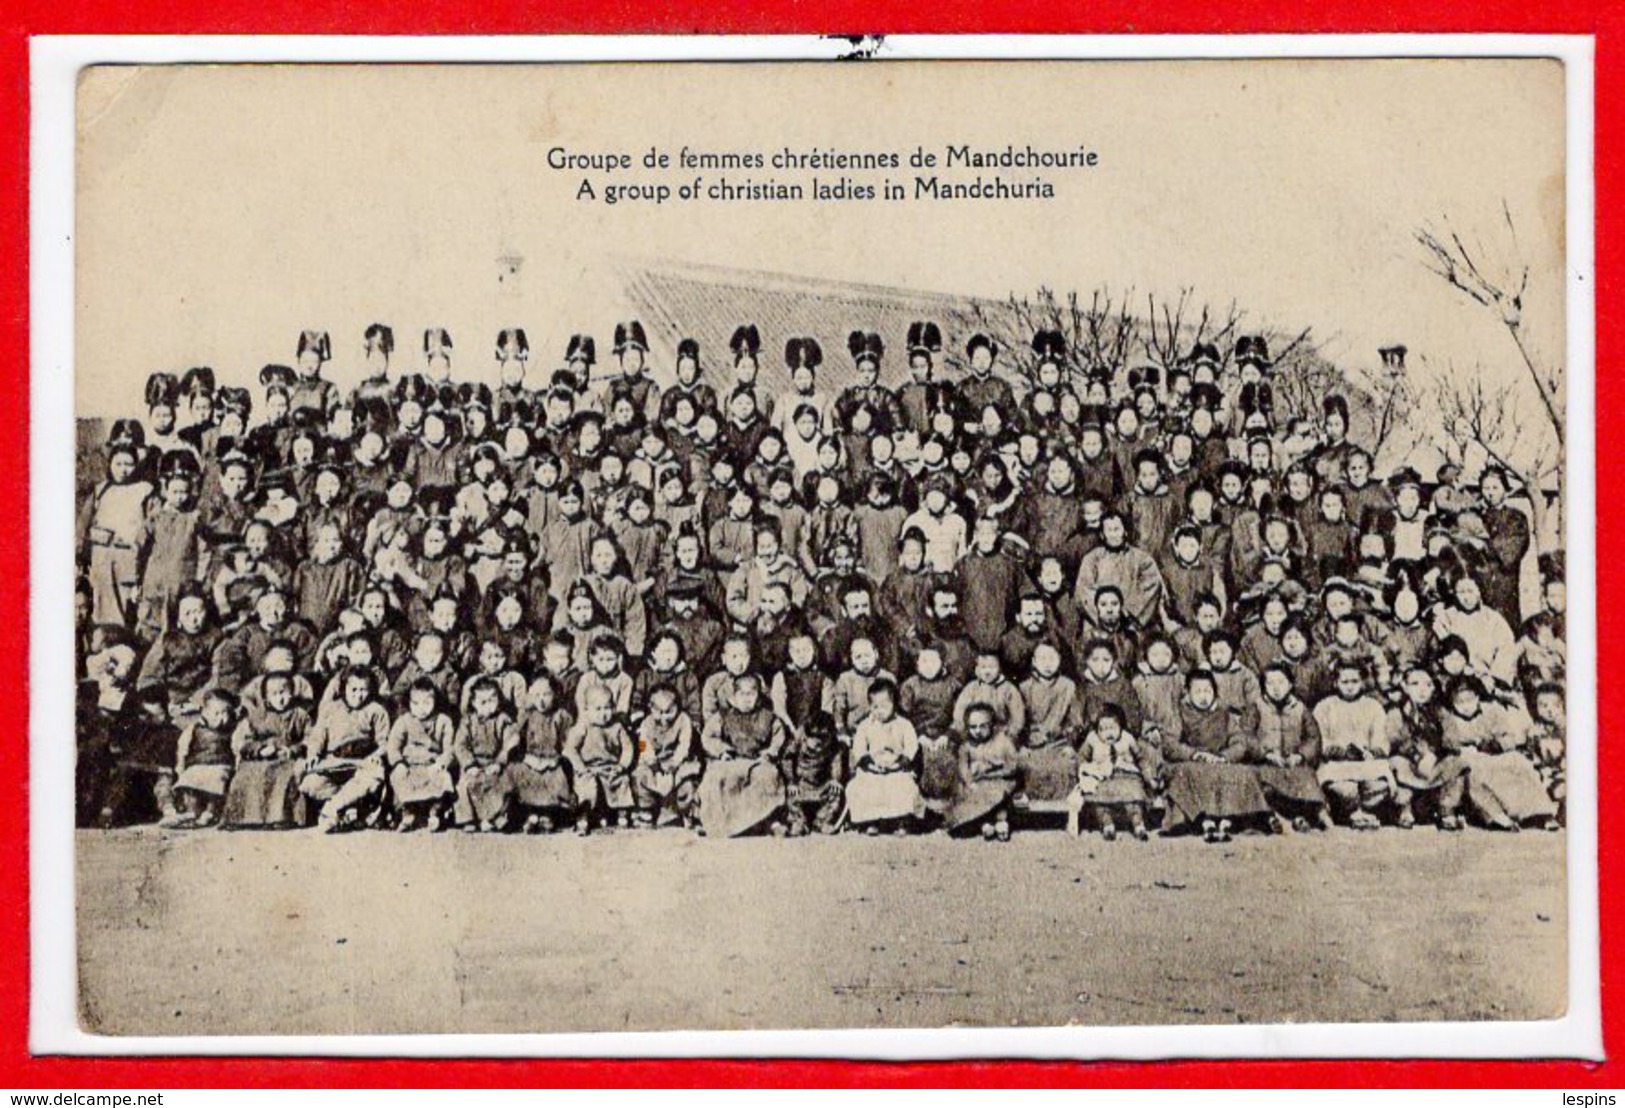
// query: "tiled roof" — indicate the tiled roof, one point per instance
point(707, 303)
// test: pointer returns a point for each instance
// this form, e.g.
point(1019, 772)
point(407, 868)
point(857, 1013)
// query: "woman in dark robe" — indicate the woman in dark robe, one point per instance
point(181, 661)
point(742, 788)
point(1208, 783)
point(270, 746)
point(538, 777)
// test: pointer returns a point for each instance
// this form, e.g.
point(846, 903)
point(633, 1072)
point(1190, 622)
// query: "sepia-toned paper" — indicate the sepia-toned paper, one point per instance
point(222, 210)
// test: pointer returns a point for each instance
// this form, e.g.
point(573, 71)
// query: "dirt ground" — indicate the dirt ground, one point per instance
point(268, 932)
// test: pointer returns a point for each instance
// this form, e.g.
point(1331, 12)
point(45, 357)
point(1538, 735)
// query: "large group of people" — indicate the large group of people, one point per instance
point(1140, 599)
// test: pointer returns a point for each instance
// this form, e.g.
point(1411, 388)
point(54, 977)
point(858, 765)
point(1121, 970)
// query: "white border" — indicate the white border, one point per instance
point(53, 1029)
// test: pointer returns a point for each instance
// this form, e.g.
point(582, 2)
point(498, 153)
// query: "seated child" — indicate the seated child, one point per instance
point(1049, 757)
point(1354, 770)
point(927, 701)
point(1287, 750)
point(270, 747)
point(485, 738)
point(666, 772)
point(989, 775)
point(538, 781)
point(346, 766)
point(883, 791)
point(600, 751)
point(203, 763)
point(420, 757)
point(1547, 745)
point(1111, 779)
point(813, 757)
point(742, 788)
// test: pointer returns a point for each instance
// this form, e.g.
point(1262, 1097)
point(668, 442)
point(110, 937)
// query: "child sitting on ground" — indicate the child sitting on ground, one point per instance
point(812, 756)
point(1112, 779)
point(203, 763)
point(1354, 749)
point(538, 782)
point(666, 772)
point(989, 775)
point(269, 743)
point(600, 751)
point(927, 701)
point(420, 755)
point(1548, 742)
point(485, 737)
point(883, 792)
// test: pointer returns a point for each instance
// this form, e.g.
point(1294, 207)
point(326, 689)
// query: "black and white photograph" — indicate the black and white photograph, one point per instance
point(806, 545)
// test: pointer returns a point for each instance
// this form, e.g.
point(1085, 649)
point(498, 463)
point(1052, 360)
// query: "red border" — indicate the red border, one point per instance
point(19, 1070)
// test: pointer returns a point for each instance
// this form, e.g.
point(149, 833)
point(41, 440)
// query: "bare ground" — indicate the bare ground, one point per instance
point(293, 932)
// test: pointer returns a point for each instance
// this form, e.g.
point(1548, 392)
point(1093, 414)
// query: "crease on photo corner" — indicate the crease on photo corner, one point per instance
point(121, 102)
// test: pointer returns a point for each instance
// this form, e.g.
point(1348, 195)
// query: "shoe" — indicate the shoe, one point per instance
point(1324, 819)
point(871, 830)
point(1363, 821)
point(1449, 823)
point(1551, 825)
point(1406, 821)
point(1001, 831)
point(1108, 832)
point(176, 820)
point(899, 831)
point(469, 828)
point(1224, 831)
point(436, 824)
point(583, 827)
point(987, 832)
point(1210, 831)
point(1141, 833)
point(1300, 824)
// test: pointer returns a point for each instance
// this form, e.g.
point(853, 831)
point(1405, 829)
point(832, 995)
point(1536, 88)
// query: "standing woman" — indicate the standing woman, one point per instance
point(111, 530)
point(437, 355)
point(377, 344)
point(311, 390)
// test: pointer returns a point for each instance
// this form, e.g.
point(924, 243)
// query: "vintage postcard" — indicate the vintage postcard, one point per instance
point(868, 544)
